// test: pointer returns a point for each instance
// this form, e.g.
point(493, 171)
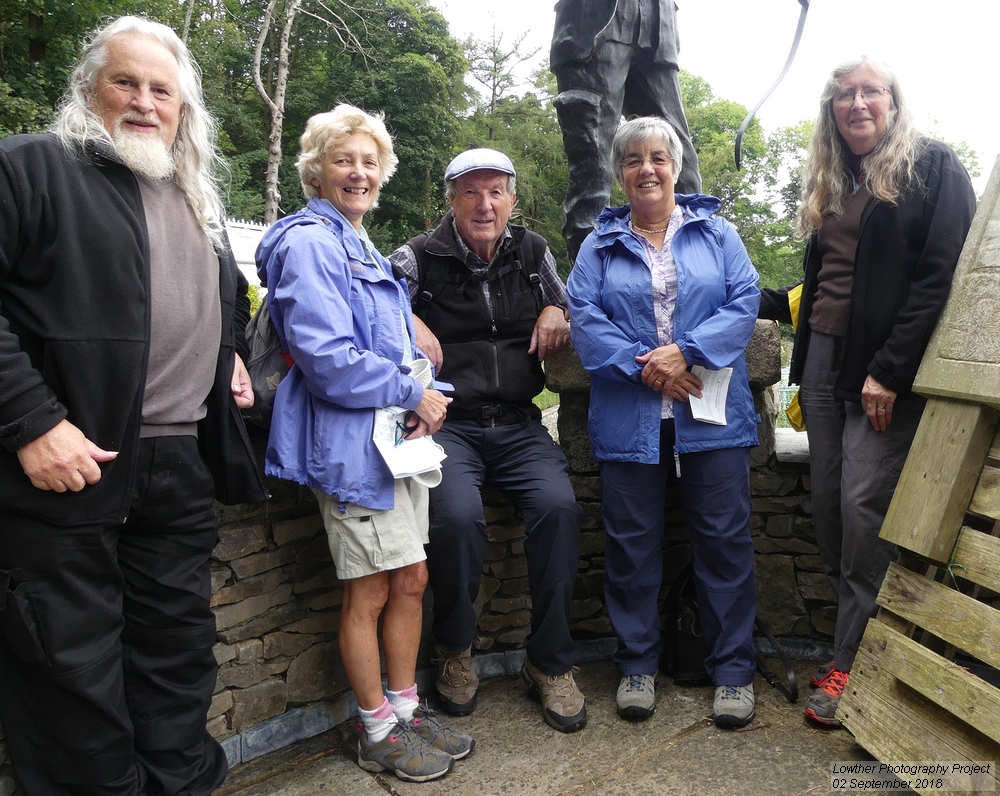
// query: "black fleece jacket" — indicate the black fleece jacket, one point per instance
point(75, 326)
point(903, 267)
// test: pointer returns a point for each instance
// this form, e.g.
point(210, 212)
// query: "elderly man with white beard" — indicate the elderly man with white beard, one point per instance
point(121, 383)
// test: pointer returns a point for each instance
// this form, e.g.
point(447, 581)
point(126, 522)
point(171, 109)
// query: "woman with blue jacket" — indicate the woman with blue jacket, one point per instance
point(346, 322)
point(662, 285)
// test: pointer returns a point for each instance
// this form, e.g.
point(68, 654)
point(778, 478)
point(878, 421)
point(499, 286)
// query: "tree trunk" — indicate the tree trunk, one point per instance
point(187, 21)
point(276, 105)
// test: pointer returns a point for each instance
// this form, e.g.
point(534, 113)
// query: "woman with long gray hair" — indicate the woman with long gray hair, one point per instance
point(885, 212)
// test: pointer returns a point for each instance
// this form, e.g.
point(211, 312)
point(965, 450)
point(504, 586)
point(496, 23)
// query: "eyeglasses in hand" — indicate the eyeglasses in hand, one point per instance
point(404, 429)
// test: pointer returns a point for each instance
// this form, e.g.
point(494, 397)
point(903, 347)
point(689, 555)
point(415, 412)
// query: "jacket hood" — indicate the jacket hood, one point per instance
point(612, 220)
point(317, 211)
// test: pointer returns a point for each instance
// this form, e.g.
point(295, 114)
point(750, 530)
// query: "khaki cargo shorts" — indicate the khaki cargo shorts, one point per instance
point(365, 541)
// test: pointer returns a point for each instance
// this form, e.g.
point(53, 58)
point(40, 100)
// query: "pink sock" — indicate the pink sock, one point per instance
point(378, 722)
point(404, 702)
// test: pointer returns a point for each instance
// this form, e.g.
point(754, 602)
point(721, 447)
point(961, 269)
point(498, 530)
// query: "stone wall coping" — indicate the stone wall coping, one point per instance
point(791, 446)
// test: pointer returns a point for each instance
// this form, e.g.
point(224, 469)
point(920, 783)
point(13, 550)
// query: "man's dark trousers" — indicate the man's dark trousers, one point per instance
point(531, 470)
point(106, 638)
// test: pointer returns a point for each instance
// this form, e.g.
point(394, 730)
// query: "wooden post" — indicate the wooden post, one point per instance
point(939, 477)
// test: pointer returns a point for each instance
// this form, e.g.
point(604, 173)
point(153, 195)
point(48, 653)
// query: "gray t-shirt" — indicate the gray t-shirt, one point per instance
point(186, 313)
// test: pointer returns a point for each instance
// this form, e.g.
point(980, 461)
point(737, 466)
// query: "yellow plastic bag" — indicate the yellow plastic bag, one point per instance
point(794, 411)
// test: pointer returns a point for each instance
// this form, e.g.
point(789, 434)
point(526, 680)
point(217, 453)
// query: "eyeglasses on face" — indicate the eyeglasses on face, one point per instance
point(868, 94)
point(634, 162)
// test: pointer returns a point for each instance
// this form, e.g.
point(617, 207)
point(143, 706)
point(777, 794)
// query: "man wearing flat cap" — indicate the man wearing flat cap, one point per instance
point(489, 307)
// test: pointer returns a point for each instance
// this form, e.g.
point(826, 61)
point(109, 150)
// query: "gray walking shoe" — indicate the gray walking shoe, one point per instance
point(406, 754)
point(733, 705)
point(457, 682)
point(428, 726)
point(637, 696)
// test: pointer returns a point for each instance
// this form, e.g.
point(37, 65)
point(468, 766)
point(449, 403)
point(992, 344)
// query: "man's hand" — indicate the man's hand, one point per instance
point(241, 388)
point(551, 332)
point(63, 459)
point(665, 370)
point(877, 401)
point(431, 411)
point(428, 343)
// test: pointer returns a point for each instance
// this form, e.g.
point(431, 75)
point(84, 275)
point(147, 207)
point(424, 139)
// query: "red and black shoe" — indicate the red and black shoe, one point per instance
point(819, 675)
point(822, 705)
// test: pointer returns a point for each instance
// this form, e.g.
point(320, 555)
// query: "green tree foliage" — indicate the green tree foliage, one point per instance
point(408, 67)
point(526, 129)
point(757, 199)
point(39, 42)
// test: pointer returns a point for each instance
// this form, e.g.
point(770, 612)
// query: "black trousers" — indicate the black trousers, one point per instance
point(531, 470)
point(106, 634)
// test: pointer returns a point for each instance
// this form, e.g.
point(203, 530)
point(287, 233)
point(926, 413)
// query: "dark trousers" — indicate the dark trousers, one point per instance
point(531, 470)
point(619, 79)
point(714, 492)
point(106, 638)
point(853, 470)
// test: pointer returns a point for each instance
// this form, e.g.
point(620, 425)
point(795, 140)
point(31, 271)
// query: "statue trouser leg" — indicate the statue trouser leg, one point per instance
point(589, 108)
point(652, 89)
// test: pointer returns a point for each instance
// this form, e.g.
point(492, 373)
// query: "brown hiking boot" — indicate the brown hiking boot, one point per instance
point(457, 682)
point(563, 706)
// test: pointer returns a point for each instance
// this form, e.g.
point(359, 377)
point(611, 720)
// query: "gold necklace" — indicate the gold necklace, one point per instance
point(648, 231)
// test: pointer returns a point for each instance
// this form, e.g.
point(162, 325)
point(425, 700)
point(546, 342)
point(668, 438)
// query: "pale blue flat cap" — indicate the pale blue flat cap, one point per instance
point(475, 159)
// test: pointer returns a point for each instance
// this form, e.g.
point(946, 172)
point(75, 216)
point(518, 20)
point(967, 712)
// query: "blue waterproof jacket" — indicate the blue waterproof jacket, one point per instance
point(610, 297)
point(339, 318)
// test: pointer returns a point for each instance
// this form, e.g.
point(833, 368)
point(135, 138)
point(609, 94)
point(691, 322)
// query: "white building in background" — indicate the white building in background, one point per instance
point(244, 237)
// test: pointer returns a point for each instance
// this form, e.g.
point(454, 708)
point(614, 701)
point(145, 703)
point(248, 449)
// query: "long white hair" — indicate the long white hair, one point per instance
point(196, 159)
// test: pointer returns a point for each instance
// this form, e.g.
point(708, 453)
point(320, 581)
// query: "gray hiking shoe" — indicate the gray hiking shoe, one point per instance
point(428, 726)
point(457, 682)
point(404, 753)
point(637, 696)
point(563, 706)
point(733, 705)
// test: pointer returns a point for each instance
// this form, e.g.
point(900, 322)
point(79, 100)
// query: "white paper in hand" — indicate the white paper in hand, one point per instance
point(410, 457)
point(711, 407)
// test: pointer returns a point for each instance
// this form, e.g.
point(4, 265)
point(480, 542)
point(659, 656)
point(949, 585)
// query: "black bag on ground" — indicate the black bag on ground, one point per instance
point(684, 650)
point(267, 366)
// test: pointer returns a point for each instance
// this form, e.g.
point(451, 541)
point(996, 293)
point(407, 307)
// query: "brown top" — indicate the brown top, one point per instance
point(838, 244)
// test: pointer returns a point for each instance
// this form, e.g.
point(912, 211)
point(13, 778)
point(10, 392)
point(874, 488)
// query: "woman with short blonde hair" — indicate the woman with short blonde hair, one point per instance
point(329, 129)
point(345, 320)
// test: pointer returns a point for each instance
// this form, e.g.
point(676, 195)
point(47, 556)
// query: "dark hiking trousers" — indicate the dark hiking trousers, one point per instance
point(106, 663)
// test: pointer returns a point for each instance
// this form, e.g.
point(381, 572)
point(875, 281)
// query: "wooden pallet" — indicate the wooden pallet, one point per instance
point(907, 699)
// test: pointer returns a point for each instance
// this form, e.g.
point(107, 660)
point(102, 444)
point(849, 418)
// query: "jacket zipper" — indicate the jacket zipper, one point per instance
point(147, 279)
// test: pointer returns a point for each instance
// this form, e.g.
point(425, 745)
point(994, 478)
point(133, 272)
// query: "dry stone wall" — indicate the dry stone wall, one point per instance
point(277, 598)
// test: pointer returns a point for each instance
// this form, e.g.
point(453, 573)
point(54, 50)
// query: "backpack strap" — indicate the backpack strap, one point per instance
point(533, 247)
point(425, 295)
point(433, 276)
